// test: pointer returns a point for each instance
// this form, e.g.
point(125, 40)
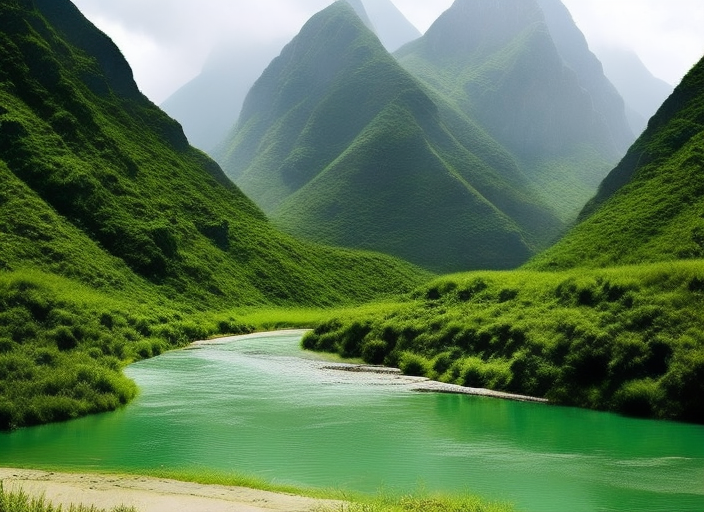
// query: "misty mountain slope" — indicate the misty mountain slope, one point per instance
point(642, 92)
point(391, 191)
point(82, 138)
point(576, 54)
point(651, 206)
point(311, 138)
point(498, 62)
point(392, 27)
point(361, 11)
point(208, 105)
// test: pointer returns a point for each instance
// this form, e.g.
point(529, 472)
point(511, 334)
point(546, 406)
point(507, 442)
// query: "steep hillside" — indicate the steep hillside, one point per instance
point(339, 144)
point(651, 206)
point(523, 70)
point(624, 339)
point(642, 92)
point(118, 239)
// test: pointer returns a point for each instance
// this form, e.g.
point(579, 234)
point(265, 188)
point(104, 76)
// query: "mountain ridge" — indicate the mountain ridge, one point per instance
point(482, 57)
point(289, 136)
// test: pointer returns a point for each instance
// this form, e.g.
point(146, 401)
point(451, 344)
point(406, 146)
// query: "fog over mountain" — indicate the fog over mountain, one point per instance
point(209, 104)
point(642, 92)
point(167, 41)
point(523, 70)
point(339, 144)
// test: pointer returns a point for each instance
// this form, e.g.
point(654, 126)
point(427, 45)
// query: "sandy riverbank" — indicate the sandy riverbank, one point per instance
point(151, 494)
point(420, 384)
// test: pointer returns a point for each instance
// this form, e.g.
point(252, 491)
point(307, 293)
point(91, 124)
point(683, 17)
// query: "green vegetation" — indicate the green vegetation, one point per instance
point(117, 239)
point(419, 504)
point(405, 173)
point(19, 501)
point(621, 339)
point(651, 206)
point(573, 326)
point(63, 345)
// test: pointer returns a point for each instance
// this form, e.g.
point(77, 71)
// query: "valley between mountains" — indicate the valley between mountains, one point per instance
point(479, 204)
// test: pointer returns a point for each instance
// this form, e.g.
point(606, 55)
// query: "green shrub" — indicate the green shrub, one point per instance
point(638, 398)
point(64, 338)
point(623, 339)
point(413, 364)
point(374, 351)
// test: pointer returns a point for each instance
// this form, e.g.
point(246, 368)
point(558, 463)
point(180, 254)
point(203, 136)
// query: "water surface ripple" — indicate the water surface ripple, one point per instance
point(260, 405)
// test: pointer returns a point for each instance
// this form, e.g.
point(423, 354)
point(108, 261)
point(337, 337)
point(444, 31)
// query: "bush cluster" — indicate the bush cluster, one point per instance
point(626, 339)
point(63, 347)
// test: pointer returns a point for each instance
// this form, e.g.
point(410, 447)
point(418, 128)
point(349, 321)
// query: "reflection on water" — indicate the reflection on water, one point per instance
point(262, 406)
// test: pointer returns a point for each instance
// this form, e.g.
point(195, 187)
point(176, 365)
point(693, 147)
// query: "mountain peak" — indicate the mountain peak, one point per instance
point(471, 24)
point(361, 11)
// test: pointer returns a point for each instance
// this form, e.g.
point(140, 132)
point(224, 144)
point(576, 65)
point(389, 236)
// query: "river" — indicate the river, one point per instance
point(260, 405)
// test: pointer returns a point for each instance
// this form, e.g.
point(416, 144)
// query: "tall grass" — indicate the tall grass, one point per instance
point(413, 503)
point(20, 501)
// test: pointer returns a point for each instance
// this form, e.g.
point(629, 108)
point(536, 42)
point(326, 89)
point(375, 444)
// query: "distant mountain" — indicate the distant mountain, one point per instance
point(336, 142)
point(651, 206)
point(523, 70)
point(642, 92)
point(392, 27)
point(208, 106)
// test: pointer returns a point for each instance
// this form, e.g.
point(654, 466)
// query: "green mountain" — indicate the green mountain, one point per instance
point(337, 143)
point(524, 72)
point(209, 104)
point(118, 239)
point(651, 206)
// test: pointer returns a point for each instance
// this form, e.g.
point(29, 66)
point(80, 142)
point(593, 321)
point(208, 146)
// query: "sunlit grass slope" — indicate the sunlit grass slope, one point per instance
point(116, 236)
point(341, 145)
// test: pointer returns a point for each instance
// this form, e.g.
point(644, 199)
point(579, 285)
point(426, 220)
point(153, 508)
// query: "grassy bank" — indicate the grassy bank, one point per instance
point(625, 339)
point(412, 503)
point(348, 502)
point(63, 345)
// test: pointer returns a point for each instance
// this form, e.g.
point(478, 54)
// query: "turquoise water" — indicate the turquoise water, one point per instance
point(260, 405)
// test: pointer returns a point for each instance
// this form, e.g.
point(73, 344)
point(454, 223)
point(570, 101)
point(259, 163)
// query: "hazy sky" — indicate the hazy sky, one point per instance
point(167, 41)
